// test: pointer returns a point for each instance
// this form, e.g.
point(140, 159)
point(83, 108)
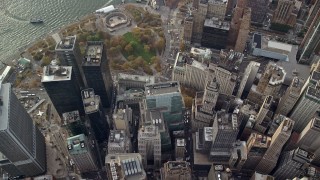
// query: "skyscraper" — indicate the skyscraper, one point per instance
point(260, 125)
point(306, 107)
point(248, 78)
point(291, 96)
point(210, 96)
point(96, 71)
point(283, 12)
point(198, 21)
point(243, 31)
point(293, 164)
point(21, 143)
point(187, 29)
point(62, 88)
point(309, 137)
point(259, 10)
point(167, 95)
point(280, 137)
point(81, 150)
point(94, 110)
point(69, 55)
point(238, 155)
point(313, 13)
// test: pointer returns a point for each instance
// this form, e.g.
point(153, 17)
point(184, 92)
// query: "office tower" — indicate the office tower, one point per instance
point(225, 131)
point(204, 137)
point(283, 12)
point(200, 118)
point(190, 72)
point(149, 145)
point(280, 137)
point(257, 145)
point(238, 155)
point(217, 8)
point(240, 24)
point(313, 13)
point(248, 78)
point(243, 31)
point(93, 108)
point(259, 10)
point(310, 45)
point(62, 88)
point(309, 137)
point(293, 164)
point(215, 33)
point(187, 29)
point(58, 138)
point(306, 107)
point(129, 81)
point(74, 123)
point(96, 71)
point(180, 149)
point(271, 80)
point(210, 96)
point(22, 145)
point(258, 176)
point(81, 150)
point(122, 119)
point(119, 142)
point(69, 55)
point(167, 95)
point(291, 96)
point(198, 21)
point(260, 125)
point(125, 166)
point(176, 170)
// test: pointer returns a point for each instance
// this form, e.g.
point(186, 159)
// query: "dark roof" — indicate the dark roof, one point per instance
point(257, 40)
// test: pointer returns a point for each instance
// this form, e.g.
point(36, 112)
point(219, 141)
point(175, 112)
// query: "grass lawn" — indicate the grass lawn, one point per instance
point(138, 49)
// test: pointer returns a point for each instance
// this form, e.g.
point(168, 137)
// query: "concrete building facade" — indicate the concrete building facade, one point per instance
point(176, 170)
point(248, 78)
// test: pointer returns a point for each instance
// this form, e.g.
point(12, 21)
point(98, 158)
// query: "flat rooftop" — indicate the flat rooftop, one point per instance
point(175, 165)
point(77, 144)
point(227, 121)
point(200, 51)
point(155, 118)
point(91, 102)
point(117, 138)
point(199, 158)
point(216, 23)
point(130, 77)
point(56, 73)
point(5, 91)
point(208, 133)
point(44, 177)
point(93, 53)
point(278, 74)
point(66, 44)
point(125, 166)
point(162, 88)
point(313, 92)
point(259, 140)
point(70, 117)
point(180, 142)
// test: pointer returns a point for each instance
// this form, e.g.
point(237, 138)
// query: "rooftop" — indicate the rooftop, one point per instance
point(77, 144)
point(66, 43)
point(91, 102)
point(93, 53)
point(56, 73)
point(117, 138)
point(258, 140)
point(216, 23)
point(258, 176)
point(200, 52)
point(146, 79)
point(208, 133)
point(313, 92)
point(180, 142)
point(240, 145)
point(70, 117)
point(44, 177)
point(155, 117)
point(228, 60)
point(315, 76)
point(125, 166)
point(278, 74)
point(227, 121)
point(162, 88)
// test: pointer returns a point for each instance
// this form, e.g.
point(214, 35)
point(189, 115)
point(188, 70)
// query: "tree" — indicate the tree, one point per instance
point(128, 48)
point(160, 44)
point(187, 101)
point(146, 48)
point(45, 61)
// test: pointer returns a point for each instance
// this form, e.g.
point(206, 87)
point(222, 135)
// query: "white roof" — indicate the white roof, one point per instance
point(106, 9)
point(279, 45)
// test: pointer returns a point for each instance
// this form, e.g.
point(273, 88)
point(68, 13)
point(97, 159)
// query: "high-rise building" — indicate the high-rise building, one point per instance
point(238, 155)
point(62, 88)
point(257, 145)
point(167, 95)
point(258, 176)
point(313, 13)
point(259, 10)
point(119, 142)
point(283, 12)
point(291, 96)
point(22, 146)
point(74, 123)
point(309, 137)
point(310, 45)
point(271, 80)
point(180, 149)
point(307, 105)
point(215, 33)
point(280, 137)
point(248, 78)
point(176, 170)
point(293, 164)
point(225, 131)
point(187, 29)
point(198, 21)
point(210, 96)
point(217, 8)
point(93, 108)
point(129, 81)
point(81, 150)
point(122, 119)
point(96, 71)
point(200, 118)
point(243, 31)
point(149, 145)
point(69, 55)
point(125, 166)
point(260, 125)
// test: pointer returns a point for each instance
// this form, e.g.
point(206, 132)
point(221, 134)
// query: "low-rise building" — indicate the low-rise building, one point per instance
point(176, 170)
